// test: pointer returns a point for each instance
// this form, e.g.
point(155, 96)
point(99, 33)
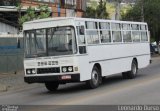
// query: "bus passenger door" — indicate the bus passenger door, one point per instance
point(81, 39)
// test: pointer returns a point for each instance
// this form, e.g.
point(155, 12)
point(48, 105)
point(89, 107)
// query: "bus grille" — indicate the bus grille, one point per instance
point(48, 70)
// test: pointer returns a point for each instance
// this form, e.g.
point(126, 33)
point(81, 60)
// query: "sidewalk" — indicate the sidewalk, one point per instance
point(11, 81)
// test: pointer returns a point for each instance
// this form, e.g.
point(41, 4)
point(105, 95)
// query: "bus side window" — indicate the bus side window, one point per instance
point(81, 30)
point(80, 33)
point(81, 39)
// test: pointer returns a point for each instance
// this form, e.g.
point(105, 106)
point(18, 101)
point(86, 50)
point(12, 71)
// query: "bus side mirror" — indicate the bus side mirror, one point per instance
point(82, 49)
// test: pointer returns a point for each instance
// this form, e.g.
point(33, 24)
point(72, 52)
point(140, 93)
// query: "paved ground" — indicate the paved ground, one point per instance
point(11, 81)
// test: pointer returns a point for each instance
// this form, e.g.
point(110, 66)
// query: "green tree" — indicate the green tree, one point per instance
point(125, 9)
point(117, 8)
point(110, 9)
point(44, 11)
point(31, 14)
point(147, 11)
point(100, 11)
point(90, 12)
point(133, 14)
point(93, 4)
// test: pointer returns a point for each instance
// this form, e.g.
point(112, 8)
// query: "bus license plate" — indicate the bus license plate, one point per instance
point(66, 77)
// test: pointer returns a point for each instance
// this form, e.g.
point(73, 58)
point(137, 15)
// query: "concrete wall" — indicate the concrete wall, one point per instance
point(11, 54)
point(5, 28)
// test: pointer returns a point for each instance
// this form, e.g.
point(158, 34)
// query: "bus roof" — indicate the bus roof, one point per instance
point(63, 21)
point(82, 19)
point(48, 19)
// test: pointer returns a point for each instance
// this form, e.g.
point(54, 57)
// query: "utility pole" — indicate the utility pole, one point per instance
point(117, 13)
point(19, 8)
point(101, 9)
point(142, 10)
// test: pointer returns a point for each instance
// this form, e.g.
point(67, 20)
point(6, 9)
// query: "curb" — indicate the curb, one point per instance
point(3, 88)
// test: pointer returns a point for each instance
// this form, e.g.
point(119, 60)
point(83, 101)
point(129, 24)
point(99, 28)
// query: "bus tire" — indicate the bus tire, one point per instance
point(95, 80)
point(133, 72)
point(52, 86)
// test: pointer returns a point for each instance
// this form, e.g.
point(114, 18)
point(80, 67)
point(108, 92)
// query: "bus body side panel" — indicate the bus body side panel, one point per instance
point(143, 61)
point(84, 67)
point(117, 58)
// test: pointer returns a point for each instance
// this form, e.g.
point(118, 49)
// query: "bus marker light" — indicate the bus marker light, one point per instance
point(76, 68)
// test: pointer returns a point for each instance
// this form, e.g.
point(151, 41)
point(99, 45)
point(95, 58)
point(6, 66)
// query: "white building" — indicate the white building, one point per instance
point(7, 29)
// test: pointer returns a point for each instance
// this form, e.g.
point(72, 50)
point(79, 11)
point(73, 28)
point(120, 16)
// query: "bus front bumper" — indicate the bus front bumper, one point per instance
point(53, 78)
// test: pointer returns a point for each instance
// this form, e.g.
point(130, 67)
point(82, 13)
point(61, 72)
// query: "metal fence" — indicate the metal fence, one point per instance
point(11, 56)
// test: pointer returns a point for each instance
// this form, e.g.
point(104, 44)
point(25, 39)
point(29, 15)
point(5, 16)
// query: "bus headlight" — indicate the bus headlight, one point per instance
point(70, 69)
point(64, 69)
point(33, 71)
point(28, 71)
point(67, 69)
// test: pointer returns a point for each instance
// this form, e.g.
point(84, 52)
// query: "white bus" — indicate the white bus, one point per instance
point(64, 50)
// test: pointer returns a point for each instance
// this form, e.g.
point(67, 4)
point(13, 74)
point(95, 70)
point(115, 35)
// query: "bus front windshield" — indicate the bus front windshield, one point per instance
point(50, 42)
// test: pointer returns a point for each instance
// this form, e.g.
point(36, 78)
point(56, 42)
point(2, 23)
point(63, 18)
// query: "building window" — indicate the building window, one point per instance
point(8, 2)
point(53, 1)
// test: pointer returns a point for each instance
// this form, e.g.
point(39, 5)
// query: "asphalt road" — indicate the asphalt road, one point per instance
point(145, 89)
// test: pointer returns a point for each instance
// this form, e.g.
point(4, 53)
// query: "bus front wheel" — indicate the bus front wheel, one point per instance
point(95, 80)
point(52, 86)
point(133, 72)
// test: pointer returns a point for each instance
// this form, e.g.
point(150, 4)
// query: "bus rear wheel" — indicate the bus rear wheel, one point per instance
point(95, 80)
point(133, 72)
point(52, 86)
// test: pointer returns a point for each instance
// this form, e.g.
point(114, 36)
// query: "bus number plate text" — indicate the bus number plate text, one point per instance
point(66, 77)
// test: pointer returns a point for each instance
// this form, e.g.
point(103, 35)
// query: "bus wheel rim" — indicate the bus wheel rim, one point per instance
point(134, 69)
point(94, 77)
